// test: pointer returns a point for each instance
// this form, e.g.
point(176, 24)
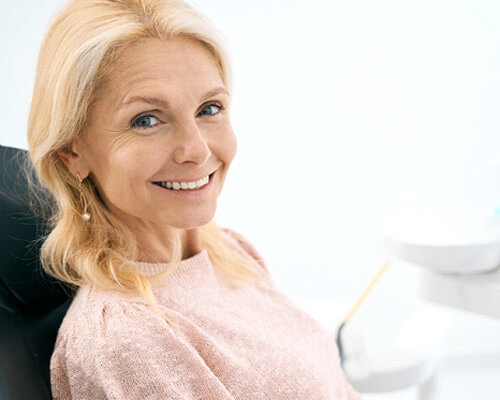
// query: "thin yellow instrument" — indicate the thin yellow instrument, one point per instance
point(354, 309)
point(366, 291)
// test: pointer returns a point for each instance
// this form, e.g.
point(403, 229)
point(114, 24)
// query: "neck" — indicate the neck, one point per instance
point(191, 242)
point(158, 249)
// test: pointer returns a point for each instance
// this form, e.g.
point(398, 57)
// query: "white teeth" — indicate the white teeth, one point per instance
point(185, 185)
point(201, 181)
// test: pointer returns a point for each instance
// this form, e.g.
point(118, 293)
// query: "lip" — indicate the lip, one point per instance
point(189, 193)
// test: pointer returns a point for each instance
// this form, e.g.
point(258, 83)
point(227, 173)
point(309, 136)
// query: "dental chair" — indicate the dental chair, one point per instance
point(32, 304)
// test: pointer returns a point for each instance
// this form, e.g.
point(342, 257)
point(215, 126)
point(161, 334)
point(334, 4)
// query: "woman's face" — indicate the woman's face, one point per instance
point(163, 116)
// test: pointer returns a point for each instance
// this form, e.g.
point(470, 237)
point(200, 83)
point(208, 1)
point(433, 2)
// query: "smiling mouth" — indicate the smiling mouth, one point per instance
point(175, 187)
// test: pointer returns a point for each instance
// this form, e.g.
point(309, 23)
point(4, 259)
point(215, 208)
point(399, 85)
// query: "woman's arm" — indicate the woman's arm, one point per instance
point(130, 353)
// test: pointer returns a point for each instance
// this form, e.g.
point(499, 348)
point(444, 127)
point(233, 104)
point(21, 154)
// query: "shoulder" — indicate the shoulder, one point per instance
point(98, 311)
point(100, 323)
point(114, 347)
point(104, 327)
point(245, 245)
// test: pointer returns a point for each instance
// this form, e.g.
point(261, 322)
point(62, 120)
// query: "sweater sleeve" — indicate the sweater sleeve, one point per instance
point(126, 351)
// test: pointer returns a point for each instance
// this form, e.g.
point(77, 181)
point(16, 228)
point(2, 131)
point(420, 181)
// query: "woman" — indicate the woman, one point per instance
point(129, 129)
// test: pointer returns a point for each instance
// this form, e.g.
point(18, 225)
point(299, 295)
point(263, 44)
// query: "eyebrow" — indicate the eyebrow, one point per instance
point(163, 103)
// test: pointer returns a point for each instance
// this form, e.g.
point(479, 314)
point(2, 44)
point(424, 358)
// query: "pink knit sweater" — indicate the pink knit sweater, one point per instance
point(247, 343)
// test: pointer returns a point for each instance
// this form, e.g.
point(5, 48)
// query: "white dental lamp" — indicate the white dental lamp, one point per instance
point(458, 252)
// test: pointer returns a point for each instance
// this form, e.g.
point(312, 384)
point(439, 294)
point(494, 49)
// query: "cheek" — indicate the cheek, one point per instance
point(234, 146)
point(226, 146)
point(137, 166)
point(125, 171)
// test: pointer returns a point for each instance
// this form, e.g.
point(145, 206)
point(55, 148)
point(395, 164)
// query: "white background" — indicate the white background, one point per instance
point(344, 111)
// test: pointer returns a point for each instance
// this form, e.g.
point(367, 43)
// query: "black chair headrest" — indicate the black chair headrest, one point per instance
point(24, 286)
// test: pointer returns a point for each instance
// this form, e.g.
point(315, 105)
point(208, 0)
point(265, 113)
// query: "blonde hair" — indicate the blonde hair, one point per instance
point(76, 58)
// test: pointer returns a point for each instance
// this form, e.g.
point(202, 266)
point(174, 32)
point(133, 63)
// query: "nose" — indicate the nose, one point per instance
point(191, 145)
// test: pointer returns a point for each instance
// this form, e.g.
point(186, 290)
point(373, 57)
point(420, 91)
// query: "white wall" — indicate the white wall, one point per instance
point(344, 111)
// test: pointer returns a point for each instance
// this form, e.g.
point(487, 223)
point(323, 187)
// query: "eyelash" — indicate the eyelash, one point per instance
point(135, 119)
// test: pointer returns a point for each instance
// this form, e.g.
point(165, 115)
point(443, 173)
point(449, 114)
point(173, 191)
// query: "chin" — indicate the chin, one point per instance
point(192, 221)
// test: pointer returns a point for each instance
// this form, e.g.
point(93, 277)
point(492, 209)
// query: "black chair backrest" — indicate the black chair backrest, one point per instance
point(32, 304)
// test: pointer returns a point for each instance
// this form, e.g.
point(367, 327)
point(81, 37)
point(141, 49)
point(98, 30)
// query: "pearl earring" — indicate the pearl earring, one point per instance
point(86, 214)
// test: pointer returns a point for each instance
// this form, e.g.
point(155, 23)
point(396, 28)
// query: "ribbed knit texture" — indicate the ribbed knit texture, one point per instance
point(246, 343)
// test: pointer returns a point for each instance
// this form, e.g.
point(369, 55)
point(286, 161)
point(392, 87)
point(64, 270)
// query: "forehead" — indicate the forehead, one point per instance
point(178, 63)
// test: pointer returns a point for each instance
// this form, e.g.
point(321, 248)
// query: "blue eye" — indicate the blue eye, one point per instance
point(216, 108)
point(144, 121)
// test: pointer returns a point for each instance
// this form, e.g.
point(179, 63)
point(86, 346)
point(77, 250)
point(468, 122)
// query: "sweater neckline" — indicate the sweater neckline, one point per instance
point(188, 270)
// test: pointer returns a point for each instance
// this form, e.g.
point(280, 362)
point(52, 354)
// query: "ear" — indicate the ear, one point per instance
point(72, 157)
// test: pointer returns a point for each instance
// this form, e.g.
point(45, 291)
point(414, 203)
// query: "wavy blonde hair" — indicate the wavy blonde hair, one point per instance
point(76, 59)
